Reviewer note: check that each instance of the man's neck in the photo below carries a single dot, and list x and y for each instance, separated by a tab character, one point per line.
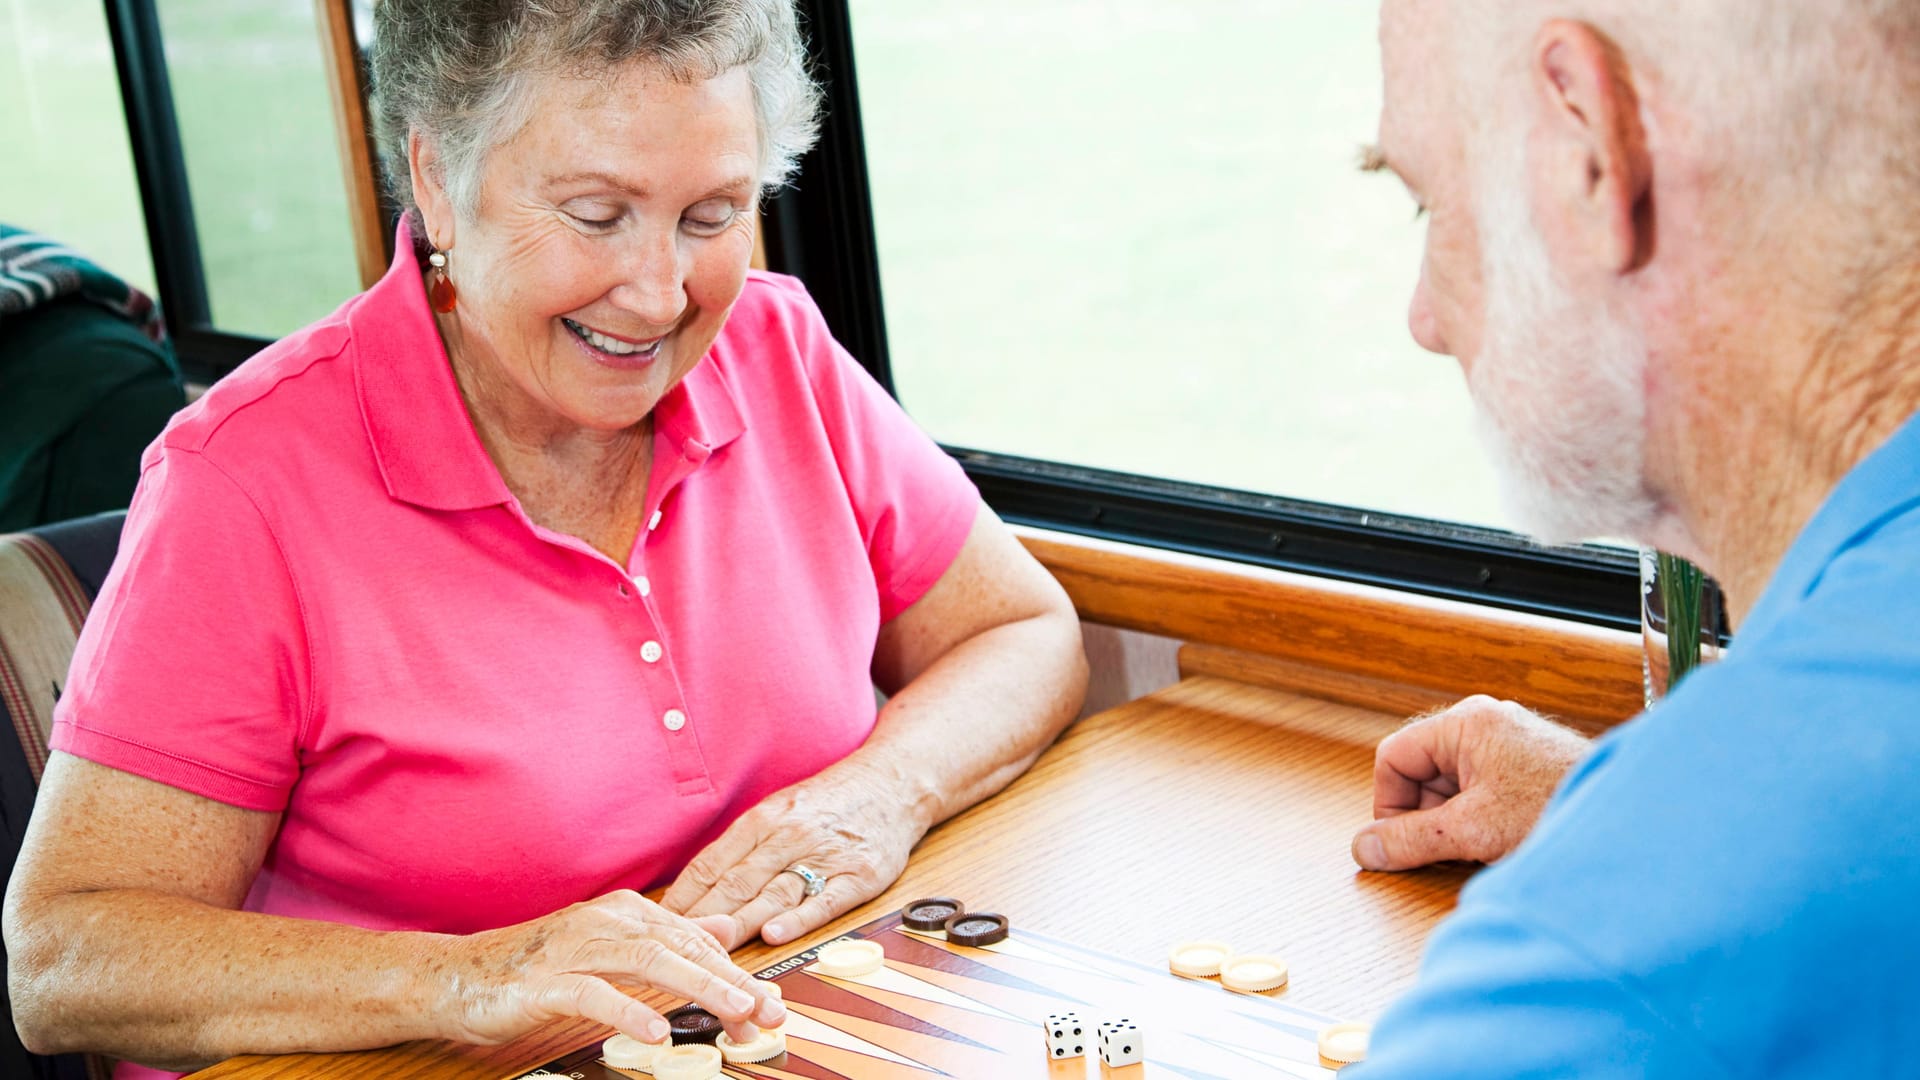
1779	436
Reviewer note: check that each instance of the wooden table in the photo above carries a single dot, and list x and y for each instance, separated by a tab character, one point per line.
1209	809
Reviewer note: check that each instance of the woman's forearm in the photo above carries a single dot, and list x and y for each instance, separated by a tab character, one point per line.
980	715
173	983
168	981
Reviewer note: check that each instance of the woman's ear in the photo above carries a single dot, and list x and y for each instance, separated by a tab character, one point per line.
429	190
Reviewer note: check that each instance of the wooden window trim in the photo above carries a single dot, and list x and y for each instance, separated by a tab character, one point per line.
1354	643
345	67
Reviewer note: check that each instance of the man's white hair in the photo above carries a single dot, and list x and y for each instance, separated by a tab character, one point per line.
1788	97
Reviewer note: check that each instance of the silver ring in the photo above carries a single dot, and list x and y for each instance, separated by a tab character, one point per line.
814	881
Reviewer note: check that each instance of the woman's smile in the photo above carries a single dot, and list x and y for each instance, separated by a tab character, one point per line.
614	350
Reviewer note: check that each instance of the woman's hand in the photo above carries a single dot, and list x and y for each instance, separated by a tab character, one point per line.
983	671
848	825
506	982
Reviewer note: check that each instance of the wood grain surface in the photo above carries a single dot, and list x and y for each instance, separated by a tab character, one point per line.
1380	695
1212	808
1585	675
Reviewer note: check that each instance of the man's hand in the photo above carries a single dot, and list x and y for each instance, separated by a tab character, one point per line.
1466	783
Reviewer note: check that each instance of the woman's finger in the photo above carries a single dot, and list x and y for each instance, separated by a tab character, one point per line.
843	892
576	994
713	861
722	989
750	877
783	893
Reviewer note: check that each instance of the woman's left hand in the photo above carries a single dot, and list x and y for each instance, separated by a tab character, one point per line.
848	825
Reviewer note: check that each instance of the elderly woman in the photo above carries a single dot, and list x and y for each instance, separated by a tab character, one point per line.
559	565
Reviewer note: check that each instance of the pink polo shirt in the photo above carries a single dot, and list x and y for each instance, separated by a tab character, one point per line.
326	603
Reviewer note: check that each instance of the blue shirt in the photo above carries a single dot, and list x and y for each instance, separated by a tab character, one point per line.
1728	886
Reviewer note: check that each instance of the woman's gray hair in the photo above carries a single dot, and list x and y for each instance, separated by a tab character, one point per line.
459	71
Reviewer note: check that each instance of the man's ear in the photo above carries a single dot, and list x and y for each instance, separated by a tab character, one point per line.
429	192
1591	167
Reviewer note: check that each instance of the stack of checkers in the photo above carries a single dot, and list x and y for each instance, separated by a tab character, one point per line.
947	918
1257	973
694	1050
1249	973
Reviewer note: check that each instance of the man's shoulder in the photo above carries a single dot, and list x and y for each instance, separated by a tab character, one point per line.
1740	859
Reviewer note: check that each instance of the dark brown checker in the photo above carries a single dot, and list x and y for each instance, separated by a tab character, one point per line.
942	1010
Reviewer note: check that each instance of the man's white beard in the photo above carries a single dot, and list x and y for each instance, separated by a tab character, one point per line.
1558	387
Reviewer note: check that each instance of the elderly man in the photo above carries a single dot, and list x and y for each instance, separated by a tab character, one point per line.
1676	249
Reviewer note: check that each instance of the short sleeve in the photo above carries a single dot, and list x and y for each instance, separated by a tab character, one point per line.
1500	997
192	667
914	503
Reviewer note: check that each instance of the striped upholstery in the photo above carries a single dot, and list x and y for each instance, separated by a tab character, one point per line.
48	578
44	605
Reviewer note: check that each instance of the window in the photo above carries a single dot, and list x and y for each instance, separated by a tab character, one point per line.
262	166
1131	277
69	173
1130	235
1117	256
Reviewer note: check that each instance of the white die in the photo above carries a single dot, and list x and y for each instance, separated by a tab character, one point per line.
1066	1036
1120	1043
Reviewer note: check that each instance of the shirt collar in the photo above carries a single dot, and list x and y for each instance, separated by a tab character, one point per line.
423	438
1882	487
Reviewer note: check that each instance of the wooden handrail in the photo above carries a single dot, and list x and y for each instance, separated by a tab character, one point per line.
1585	675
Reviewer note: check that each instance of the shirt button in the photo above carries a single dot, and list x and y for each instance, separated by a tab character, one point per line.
654	521
675	720
650	652
645	586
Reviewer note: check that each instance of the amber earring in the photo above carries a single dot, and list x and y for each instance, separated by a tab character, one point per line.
441	293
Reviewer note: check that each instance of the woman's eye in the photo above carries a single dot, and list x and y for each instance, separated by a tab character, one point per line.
710	219
594	222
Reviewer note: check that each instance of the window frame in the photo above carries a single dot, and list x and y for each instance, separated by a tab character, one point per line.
822	230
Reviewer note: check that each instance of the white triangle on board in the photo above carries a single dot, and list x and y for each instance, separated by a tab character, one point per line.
899	982
1027	950
801	1026
1286	1065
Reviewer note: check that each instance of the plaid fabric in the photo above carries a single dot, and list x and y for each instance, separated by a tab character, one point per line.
35	270
48	579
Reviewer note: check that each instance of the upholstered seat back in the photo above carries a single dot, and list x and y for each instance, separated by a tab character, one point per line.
48	579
